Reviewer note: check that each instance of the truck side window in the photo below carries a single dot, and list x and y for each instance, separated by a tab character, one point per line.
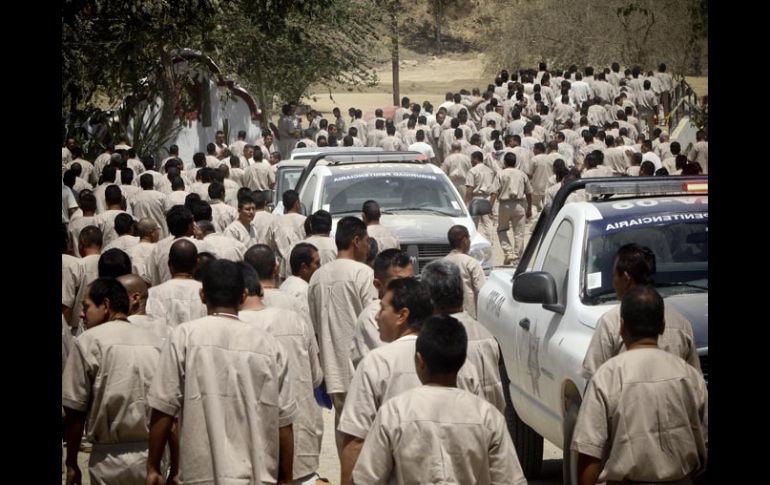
308	194
557	258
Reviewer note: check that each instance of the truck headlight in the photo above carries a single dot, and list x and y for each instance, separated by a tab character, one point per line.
482	255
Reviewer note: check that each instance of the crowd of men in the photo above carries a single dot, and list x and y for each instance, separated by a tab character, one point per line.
201	334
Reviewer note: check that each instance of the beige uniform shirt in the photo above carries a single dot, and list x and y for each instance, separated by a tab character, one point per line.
124	243
74	283
299	345
295	286
229	382
677	339
337	294
222	215
245	235
288	229
645	415
108	372
514	185
77	225
435	434
391	144
157	262
176	301
176	197
457	166
482	179
153	325
151	204
473	279
386	372
327	248
277	298
384	237
263	224
224	247
106	222
366	335
259	176
616	160
139	255
700	153
542	168
484	355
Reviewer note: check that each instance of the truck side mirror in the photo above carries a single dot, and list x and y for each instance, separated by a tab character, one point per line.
479	207
535	287
302	209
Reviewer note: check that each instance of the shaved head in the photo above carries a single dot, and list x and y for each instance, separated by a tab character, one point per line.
182	257
145	227
134	284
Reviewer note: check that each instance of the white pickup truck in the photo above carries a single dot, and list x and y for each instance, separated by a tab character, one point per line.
544	313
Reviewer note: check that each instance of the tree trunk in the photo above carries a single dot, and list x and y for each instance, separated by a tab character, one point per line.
167	91
439	13
394	53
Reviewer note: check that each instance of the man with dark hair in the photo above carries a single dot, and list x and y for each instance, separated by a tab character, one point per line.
220	245
298	341
212	159
222	215
108	179
178	299
350	281
647	169
515	195
370	213
470	268
389	264
137	290
148	233
457	165
262	258
318	227
443	280
259	176
421	146
304	261
205	357
78	277
700	151
481	182
181	224
106	220
113	263
635	265
236	147
241	229
640	403
124	228
466	442
150	203
87	203
104	385
288	229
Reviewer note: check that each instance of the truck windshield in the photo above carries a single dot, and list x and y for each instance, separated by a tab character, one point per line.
395	191
679	241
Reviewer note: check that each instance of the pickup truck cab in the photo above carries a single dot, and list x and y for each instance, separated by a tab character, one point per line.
544	313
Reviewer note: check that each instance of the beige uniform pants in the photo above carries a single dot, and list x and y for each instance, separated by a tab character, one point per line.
513	214
484	224
338	401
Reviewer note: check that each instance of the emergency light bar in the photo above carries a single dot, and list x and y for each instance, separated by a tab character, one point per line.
648	186
413	157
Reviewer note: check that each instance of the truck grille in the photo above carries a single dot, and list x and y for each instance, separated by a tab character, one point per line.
704	366
423	254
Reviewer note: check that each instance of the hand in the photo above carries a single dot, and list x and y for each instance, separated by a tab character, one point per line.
155	478
74	477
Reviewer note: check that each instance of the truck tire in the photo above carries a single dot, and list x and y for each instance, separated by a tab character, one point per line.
569	462
528	444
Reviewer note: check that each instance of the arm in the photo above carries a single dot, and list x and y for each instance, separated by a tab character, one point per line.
173	447
588	469
529	205
74	422
468	194
285	453
350	451
160	429
67	313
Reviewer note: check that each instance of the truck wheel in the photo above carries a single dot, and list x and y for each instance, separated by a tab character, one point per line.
569	462
528	444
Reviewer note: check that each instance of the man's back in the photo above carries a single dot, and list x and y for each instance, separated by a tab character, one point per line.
473	278
230	382
150	204
434	434
650	410
225	247
384	237
176	301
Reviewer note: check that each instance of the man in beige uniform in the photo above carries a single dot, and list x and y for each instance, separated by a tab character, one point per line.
470	269
180	223
288	229
418	438
137	290
149	234
124	228
228	381
222	214
318	226
149	203
388	265
241	229
338	293
370	213
635	265
514	191
78	277
178	299
219	245
106	220
299	344
700	151
481	182
87	203
104	385
262	259
542	168
644	415
442	278
304	261
259	176
456	165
